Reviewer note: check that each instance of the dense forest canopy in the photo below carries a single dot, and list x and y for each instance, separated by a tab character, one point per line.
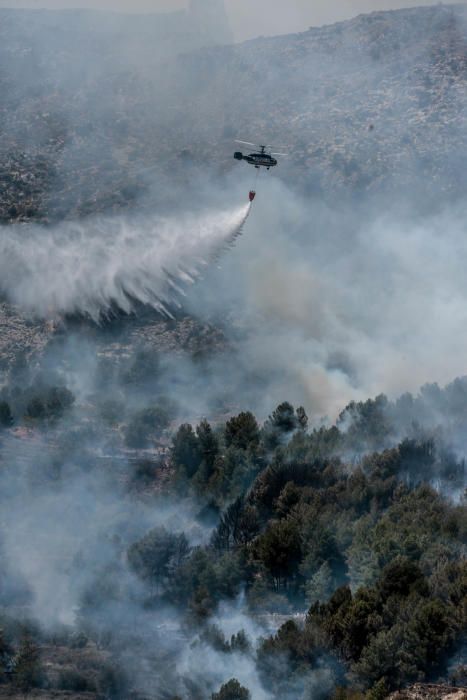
340	547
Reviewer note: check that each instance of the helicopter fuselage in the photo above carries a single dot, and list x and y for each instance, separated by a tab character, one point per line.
257	159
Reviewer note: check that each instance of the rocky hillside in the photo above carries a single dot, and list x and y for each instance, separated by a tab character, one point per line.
143	112
423	691
374	103
75	102
22	338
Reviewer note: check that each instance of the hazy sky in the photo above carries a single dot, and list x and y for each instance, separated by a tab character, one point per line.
248	17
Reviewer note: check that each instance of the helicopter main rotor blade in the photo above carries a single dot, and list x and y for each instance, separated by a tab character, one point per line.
247	143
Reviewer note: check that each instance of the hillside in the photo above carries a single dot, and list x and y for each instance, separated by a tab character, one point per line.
367	105
376	101
189	550
430	692
241	500
72	81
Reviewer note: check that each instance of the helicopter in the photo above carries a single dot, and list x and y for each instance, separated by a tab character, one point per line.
259	158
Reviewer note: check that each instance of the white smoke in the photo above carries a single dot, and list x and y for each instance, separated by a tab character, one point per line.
342	305
91	267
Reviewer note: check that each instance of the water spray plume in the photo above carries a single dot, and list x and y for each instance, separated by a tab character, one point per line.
93	267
